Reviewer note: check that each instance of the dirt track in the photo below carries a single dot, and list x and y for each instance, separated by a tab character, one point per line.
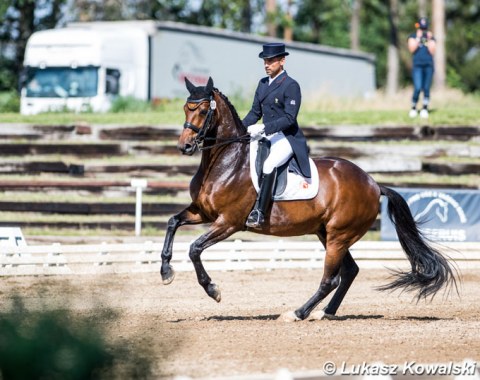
183	332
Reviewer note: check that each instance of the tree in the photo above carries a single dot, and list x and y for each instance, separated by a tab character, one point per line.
438	16
288	28
355	25
18	20
463	44
271	11
422	8
323	22
393	61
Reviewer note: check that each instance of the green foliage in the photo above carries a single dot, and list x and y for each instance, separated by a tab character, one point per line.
454	79
8	79
463	46
49	345
222	13
130	104
324	22
374	36
56	344
454	109
9	102
470	74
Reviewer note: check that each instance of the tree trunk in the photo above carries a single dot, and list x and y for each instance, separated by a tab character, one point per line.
246	23
438	21
288	30
26	27
393	60
271	11
422	8
355	25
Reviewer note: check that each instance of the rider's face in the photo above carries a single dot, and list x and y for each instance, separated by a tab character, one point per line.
273	66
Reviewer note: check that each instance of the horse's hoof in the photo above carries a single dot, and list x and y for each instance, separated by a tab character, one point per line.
289	316
321	315
214	292
168	277
317	315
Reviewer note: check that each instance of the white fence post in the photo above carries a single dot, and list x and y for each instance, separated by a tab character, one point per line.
139	185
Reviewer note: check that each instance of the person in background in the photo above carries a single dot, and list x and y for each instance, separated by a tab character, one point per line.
422	46
277	101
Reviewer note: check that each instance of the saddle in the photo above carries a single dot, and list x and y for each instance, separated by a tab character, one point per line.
263	151
290	183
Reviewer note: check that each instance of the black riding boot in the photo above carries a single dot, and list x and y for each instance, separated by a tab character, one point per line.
257	215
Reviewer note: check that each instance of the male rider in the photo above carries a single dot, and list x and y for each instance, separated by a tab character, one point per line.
277	100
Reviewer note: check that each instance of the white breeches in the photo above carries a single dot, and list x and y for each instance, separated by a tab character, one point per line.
280	152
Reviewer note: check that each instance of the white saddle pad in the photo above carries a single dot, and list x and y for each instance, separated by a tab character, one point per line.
298	187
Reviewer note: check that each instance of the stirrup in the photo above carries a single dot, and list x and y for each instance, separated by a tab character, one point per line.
255	219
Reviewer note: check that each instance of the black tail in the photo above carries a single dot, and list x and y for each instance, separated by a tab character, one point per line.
430	270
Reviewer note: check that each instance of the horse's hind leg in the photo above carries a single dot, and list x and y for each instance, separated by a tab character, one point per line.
330	280
348	272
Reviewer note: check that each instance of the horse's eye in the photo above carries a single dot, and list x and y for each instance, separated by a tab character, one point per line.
203	112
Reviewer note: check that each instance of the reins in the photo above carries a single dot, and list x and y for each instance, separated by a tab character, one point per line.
243	138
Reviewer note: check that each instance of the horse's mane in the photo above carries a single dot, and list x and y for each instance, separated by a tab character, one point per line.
236	118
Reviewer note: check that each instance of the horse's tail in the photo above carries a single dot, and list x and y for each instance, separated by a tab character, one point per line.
430	269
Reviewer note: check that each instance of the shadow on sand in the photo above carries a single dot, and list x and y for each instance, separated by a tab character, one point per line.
273	317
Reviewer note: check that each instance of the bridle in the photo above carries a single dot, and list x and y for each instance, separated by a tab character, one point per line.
202	131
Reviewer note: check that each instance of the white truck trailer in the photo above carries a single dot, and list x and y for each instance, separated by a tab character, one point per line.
84	66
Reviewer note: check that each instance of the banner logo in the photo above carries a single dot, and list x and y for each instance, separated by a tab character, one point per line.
441	215
438	207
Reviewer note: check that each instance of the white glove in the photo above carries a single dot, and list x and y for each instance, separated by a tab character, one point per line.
256	130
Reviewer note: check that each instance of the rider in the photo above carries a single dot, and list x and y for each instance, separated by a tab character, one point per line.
277	100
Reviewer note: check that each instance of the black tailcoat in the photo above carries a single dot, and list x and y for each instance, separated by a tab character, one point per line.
278	104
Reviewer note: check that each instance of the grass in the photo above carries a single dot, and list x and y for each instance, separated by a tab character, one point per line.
449	107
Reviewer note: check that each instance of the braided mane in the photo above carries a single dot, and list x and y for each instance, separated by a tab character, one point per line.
236	118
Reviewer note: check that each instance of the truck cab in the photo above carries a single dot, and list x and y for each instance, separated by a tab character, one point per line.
83	69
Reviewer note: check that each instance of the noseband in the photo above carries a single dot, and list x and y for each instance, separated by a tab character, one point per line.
201	132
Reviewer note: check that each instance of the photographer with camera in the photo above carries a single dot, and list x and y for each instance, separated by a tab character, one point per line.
422	46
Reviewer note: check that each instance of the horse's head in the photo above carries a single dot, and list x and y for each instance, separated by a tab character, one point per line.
199	116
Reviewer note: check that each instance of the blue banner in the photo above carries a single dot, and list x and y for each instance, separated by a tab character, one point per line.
441	215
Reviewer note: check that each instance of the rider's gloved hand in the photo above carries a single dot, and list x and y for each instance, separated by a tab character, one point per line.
256	130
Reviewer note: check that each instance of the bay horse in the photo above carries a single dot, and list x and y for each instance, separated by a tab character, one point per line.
343	210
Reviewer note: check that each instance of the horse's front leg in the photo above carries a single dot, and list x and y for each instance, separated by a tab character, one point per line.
190	215
218	231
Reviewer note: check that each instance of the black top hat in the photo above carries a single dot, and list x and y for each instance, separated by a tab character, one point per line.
273	50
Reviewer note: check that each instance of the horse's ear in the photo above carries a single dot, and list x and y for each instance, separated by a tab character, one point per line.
190	85
209	86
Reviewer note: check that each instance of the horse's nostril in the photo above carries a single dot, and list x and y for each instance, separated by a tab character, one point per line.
187	149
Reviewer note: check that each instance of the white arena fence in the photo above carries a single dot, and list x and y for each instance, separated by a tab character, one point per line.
57	259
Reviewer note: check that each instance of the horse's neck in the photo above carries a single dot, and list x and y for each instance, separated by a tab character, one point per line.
226	156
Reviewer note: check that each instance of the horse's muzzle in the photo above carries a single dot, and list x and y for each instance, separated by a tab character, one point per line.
187	149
